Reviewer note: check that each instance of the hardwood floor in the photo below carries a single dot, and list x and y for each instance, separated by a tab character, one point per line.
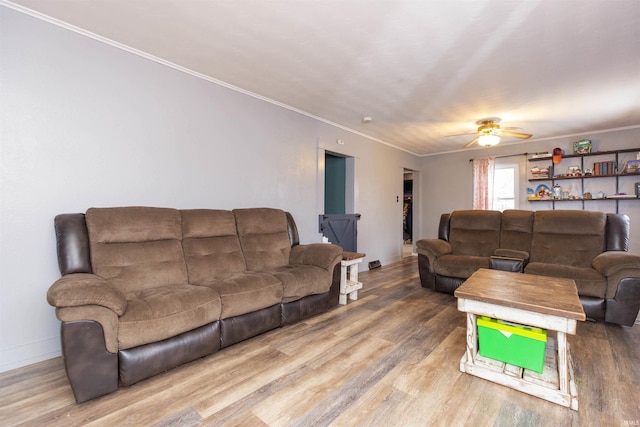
390	358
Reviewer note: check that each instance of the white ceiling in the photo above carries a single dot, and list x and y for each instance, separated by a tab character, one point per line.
422	69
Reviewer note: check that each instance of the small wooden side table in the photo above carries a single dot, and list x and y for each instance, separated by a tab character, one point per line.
349	284
539	301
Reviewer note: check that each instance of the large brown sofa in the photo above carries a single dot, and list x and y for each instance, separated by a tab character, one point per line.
589	247
146	289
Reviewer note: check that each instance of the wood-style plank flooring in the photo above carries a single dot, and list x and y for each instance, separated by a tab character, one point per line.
390	358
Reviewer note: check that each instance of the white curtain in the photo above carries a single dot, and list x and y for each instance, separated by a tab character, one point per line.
483	170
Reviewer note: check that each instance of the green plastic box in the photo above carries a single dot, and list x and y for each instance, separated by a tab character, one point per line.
512	343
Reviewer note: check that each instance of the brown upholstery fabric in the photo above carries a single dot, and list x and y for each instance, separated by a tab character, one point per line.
461	266
137	247
211	245
571	238
516	230
247	292
432	249
162	312
474	232
263	237
80	289
588	281
608	263
318	254
301	281
132	224
512	253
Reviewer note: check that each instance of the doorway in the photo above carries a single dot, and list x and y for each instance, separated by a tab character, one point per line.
407	214
339	223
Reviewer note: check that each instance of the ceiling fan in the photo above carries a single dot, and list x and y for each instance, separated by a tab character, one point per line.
489	133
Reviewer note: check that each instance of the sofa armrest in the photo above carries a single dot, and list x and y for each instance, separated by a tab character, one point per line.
512	253
515	265
79	289
432	249
321	255
612	262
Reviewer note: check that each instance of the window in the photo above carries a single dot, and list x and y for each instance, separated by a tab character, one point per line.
505	186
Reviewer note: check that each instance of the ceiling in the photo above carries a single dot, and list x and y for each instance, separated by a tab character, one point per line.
421	69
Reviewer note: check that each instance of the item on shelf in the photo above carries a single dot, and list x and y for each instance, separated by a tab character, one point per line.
588	172
543	192
557	155
587	196
565	194
598	195
557	191
631	166
574	171
604	167
541	155
540	172
582	146
622	196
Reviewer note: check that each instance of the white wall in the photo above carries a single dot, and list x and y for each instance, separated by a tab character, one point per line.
85	124
447	179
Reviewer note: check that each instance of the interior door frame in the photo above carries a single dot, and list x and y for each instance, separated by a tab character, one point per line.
416	205
350	181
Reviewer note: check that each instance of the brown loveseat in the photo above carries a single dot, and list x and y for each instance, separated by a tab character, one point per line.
589	247
146	289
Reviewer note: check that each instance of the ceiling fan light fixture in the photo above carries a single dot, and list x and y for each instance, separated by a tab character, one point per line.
488	140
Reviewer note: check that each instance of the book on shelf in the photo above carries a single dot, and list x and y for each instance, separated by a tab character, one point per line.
604	167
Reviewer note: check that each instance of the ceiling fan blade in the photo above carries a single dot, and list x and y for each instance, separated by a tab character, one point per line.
462	134
516	134
472	142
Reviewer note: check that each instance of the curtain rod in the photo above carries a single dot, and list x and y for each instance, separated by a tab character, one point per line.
506	155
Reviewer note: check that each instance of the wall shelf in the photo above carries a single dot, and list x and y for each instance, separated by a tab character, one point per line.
611	156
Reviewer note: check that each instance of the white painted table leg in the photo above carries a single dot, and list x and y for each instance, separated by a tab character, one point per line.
563	369
472	342
353	277
343	284
472	339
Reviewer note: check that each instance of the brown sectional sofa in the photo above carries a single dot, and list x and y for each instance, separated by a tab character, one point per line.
589	247
146	289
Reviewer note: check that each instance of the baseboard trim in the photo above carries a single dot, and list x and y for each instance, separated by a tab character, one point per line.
27	354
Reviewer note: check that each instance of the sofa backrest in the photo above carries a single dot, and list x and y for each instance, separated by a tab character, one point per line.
474	232
568	237
264	237
137	247
211	246
516	229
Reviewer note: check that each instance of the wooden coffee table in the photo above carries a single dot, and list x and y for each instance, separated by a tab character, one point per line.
539	301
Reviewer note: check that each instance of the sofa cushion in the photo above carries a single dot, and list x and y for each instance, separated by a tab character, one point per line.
246	292
264	238
301	281
516	230
588	281
567	237
137	248
162	312
474	232
461	266
211	245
